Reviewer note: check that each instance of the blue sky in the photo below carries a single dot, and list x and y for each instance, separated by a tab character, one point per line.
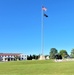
20	26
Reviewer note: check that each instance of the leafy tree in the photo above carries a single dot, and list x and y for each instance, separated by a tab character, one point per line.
72	53
53	52
34	56
58	56
63	53
37	57
29	57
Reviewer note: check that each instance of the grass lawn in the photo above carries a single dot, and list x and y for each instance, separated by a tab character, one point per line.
43	67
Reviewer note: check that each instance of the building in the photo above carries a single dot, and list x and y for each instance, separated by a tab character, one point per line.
12	56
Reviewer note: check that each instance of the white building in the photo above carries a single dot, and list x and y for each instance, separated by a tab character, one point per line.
12	56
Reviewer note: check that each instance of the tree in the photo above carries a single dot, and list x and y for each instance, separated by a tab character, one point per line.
58	56
29	57
72	53
34	56
53	52
63	53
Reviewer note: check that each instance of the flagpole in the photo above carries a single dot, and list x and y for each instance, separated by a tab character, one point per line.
42	32
42	35
42	57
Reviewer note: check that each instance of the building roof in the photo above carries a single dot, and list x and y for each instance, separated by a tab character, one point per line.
10	54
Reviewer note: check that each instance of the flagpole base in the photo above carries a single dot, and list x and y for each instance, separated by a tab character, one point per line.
42	57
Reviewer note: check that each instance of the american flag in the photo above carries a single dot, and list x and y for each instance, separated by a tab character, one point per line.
43	8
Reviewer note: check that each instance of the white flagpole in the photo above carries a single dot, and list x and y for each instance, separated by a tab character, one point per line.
42	35
42	32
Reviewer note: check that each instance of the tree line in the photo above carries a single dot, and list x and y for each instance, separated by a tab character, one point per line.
32	57
62	53
54	54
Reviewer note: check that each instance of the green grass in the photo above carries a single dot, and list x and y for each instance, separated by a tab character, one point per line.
45	67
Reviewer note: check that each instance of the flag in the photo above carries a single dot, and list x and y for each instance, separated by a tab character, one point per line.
45	15
43	8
